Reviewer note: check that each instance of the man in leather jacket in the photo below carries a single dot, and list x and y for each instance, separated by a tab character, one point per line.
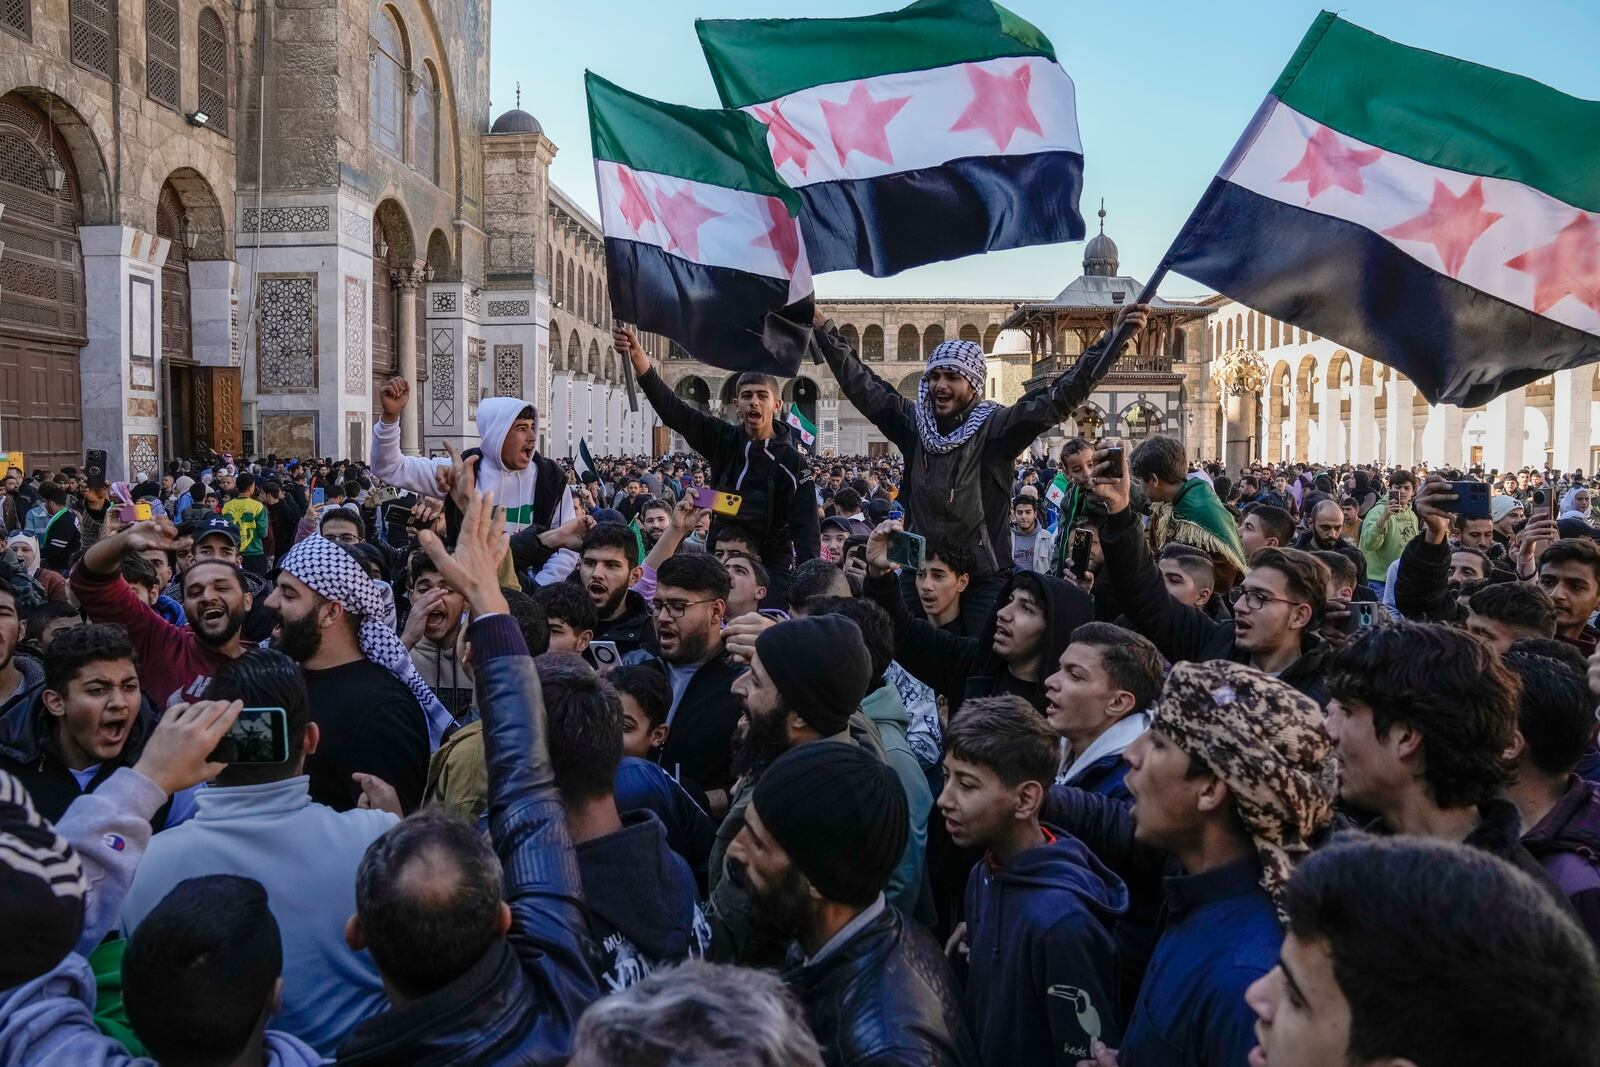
484	956
824	830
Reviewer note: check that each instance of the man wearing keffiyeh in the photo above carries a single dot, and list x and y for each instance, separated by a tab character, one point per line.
960	449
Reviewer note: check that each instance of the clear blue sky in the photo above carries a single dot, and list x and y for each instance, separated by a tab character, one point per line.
1164	88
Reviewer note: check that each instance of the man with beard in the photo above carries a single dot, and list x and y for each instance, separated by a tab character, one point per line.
608	566
175	662
367	699
654	517
787	702
1325	533
825	827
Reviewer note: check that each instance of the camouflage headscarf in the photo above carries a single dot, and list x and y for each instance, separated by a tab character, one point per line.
1268	743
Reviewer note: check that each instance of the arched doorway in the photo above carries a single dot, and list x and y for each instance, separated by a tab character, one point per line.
394	251
1089	421
908	385
42	322
694	390
1143	419
804	394
177	349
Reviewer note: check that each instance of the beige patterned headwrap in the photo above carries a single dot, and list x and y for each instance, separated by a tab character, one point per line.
1268	743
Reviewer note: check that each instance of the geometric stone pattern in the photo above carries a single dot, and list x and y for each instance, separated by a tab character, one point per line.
442	374
284	220
505	308
355	224
475	356
355	335
443	303
507	368
287	360
143	454
474	304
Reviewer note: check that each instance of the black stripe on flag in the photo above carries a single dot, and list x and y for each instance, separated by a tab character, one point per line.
888	224
716	313
1456	343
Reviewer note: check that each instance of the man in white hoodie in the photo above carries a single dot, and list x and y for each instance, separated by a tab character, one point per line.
530	488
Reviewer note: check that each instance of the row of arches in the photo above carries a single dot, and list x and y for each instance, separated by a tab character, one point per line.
1256	332
406	116
575	288
912	345
575	358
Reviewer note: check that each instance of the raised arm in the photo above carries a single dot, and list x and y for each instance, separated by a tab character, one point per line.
105	597
875	398
699	430
1042	409
565	560
527	824
941	660
415	473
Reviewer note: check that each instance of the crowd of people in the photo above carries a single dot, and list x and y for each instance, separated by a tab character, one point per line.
1120	758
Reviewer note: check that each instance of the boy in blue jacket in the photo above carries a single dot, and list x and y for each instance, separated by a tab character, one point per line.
1042	985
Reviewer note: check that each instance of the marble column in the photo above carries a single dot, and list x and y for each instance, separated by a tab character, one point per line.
1572	426
1363	424
405	339
1239	426
1504	442
1402	422
1331	424
1441	436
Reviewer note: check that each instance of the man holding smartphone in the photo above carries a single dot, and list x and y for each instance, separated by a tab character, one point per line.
755	458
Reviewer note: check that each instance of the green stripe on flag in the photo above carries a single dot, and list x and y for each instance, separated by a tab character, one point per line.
756	60
1444	111
717	147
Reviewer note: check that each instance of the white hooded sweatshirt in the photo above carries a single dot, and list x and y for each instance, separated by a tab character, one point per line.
513	490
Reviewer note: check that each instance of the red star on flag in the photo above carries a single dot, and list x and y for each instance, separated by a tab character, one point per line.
788	143
1451	224
683	216
782	236
1567	266
860	123
635	205
999	105
1329	162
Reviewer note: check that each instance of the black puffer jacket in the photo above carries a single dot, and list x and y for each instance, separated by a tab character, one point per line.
521	1001
885	996
964	495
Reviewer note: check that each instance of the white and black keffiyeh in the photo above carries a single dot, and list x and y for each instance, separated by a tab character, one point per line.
331	572
966	359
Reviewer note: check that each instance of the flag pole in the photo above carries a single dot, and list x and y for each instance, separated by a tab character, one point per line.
1119	332
627	380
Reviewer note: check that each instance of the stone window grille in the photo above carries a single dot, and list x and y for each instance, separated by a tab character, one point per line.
16	16
387	88
213	71
161	52
92	22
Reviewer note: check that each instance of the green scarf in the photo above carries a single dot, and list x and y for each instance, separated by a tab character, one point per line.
1196	517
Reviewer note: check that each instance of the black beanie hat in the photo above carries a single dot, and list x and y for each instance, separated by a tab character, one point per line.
820	666
41	889
841	815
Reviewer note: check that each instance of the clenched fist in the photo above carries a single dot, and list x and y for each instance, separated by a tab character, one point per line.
393	397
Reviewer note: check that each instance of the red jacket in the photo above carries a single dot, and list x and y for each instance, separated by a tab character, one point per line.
174	664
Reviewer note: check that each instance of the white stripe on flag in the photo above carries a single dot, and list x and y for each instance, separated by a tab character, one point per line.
1397	193
706	224
1017	105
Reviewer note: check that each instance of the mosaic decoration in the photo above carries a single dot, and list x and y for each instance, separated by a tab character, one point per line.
507	370
443	303
474	304
285	220
442	375
475	356
286	358
235	356
355	225
143	454
500	309
355	335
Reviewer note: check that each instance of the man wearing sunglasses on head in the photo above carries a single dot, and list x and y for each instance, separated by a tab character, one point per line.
1276	616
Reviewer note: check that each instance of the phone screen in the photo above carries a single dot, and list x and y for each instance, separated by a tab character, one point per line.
258	735
319	496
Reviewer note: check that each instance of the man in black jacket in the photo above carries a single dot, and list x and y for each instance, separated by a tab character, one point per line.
960	450
755	458
825	828
1275	618
482	967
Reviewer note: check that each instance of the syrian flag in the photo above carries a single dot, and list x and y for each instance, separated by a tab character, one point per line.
1057	490
701	240
938	131
1436	215
585	462
802	426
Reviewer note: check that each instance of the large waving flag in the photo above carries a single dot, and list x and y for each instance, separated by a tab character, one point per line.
1434	214
701	240
938	131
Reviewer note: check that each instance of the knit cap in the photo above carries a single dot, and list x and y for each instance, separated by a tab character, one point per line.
41	889
840	814
1501	506
1268	743
820	666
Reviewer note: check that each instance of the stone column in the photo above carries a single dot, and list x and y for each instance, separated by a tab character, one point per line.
1402	422
405	340
120	366
1363	424
1571	427
1331	425
1237	428
1441	437
1504	419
